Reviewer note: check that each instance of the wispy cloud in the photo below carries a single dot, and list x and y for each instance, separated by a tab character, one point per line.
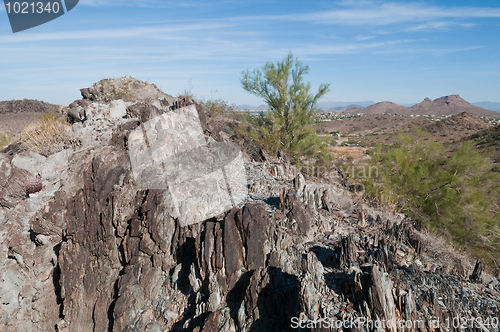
166	31
365	13
146	3
440	26
391	13
373	13
438	52
348	48
363	38
211	47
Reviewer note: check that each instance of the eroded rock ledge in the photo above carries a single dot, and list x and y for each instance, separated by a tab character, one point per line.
91	252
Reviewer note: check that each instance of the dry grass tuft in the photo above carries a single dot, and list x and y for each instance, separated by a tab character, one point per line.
438	249
5	140
48	136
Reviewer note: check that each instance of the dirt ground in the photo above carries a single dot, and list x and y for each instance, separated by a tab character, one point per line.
350	155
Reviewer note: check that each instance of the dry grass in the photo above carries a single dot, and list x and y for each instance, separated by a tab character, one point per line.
441	251
48	136
5	140
344	152
220	107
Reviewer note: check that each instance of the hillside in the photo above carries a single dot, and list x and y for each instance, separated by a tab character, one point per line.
385	107
457	126
373	128
26	106
489	139
384	128
448	105
17	114
221	237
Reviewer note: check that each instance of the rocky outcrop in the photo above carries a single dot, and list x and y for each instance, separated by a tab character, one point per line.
92	251
450	105
125	88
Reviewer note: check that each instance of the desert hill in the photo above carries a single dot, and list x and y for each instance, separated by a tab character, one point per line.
489	138
450	105
384	128
464	124
26	105
86	246
447	105
385	107
17	114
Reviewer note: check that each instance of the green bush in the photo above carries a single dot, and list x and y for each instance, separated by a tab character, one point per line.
287	123
452	193
220	107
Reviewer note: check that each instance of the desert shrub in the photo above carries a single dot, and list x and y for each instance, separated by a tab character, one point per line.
220	107
49	135
292	107
452	193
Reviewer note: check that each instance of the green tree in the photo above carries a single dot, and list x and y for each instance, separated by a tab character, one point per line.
291	107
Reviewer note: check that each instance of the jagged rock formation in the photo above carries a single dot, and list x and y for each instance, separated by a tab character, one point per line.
92	252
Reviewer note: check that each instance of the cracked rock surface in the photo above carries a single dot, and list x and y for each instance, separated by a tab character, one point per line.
92	252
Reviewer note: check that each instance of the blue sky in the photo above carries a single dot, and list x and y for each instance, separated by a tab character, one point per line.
399	51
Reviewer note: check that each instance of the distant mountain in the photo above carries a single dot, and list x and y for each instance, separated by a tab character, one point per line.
251	107
385	107
489	105
448	105
343	108
342	105
325	106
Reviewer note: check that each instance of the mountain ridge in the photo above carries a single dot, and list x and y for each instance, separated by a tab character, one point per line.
356	106
446	105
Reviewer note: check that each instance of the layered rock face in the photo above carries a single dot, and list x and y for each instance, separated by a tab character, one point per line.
92	251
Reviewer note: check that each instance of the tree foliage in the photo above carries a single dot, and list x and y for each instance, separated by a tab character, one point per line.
453	192
291	107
